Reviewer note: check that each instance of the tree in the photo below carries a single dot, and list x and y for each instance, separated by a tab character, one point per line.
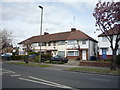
28	47
107	15
6	38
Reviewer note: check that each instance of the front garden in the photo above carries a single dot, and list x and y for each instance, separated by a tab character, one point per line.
35	57
100	63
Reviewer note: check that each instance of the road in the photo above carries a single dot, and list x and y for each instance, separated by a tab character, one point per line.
17	76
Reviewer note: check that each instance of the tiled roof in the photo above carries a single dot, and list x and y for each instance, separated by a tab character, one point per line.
71	35
112	31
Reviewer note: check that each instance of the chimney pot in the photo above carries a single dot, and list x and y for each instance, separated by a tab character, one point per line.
46	33
73	29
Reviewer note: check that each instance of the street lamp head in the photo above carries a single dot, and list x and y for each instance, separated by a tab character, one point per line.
40	7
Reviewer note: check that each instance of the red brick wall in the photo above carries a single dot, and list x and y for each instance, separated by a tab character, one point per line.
99	64
108	56
72	57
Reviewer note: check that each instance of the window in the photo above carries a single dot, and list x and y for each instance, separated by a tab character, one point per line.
44	44
49	43
76	53
61	43
83	42
39	44
61	53
104	39
54	43
73	53
70	53
72	42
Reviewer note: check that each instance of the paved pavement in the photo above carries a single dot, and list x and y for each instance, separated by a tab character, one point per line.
70	64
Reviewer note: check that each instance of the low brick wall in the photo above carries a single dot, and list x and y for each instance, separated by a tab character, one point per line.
91	63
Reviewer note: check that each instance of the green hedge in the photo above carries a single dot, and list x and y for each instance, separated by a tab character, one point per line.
30	53
18	57
47	55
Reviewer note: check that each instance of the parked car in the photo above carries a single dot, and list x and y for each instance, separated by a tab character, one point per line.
6	56
32	56
59	58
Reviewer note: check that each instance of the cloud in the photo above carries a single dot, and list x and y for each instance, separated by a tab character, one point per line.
24	18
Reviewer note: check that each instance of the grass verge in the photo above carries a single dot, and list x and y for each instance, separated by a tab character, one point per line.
95	70
30	64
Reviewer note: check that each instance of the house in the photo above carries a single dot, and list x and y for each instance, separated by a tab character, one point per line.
73	44
104	45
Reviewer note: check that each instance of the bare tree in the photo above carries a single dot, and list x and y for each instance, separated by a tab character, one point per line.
107	15
28	46
6	38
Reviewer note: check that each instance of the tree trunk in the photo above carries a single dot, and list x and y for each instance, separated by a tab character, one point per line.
113	62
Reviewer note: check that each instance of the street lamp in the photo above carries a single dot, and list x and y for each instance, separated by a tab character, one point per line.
40	31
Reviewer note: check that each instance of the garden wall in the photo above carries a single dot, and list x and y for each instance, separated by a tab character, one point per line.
92	63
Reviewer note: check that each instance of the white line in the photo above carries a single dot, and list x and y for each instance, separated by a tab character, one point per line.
15	75
63	86
43	83
7	71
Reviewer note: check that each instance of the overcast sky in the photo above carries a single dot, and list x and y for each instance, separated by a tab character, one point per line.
22	17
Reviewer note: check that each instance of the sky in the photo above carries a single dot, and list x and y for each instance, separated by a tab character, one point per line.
22	17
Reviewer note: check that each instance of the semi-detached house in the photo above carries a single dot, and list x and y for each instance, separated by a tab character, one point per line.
104	45
73	44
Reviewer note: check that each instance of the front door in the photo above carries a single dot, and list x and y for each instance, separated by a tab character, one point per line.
83	54
104	53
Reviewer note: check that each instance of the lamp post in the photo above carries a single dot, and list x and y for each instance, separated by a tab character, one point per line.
40	31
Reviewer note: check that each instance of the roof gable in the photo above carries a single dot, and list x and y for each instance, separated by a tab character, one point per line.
113	31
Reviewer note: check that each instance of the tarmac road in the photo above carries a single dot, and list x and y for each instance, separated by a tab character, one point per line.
18	76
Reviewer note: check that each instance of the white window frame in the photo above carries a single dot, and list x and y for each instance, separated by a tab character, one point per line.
104	39
84	42
75	53
61	43
72	42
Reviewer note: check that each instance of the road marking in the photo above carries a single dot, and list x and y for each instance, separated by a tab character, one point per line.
15	75
55	85
7	71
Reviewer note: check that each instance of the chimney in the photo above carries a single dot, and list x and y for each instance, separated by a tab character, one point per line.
46	33
73	29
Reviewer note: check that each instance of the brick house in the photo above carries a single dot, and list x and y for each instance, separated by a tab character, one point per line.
73	44
104	45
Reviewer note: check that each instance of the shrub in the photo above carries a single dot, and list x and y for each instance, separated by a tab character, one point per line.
18	57
57	62
47	55
107	60
36	59
30	53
